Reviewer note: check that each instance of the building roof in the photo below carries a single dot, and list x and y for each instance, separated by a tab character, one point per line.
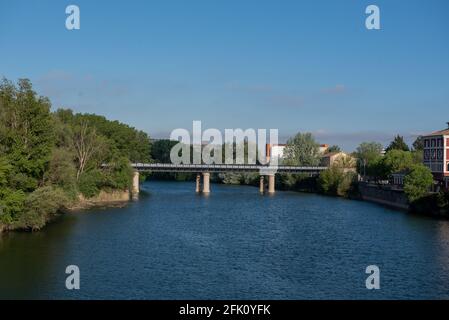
444	132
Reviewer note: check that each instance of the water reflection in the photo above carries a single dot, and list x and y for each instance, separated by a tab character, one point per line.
232	244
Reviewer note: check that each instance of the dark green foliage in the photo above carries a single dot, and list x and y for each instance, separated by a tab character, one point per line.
398	144
27	135
436	203
336	181
61	169
160	150
39	207
418	145
11	204
90	183
395	161
418	182
47	159
118	175
288	180
127	141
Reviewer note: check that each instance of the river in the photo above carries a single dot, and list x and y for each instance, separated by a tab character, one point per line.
232	244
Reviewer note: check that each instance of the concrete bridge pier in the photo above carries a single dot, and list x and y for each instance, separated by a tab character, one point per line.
271	183
198	182
135	187
206	182
261	184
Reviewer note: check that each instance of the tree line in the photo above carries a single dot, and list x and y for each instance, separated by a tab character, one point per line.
48	160
369	161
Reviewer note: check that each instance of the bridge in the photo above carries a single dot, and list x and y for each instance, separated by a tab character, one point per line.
206	169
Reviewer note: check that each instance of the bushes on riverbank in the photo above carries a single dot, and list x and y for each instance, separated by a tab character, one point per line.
337	182
417	182
432	204
48	159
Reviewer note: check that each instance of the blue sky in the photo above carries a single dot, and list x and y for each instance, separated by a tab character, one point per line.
292	65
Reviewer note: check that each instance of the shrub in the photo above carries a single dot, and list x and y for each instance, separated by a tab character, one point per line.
90	183
39	207
335	181
118	175
11	204
417	182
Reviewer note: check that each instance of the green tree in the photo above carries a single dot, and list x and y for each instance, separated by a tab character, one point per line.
302	150
396	160
335	181
160	150
417	182
118	175
39	207
5	168
27	135
47	159
398	144
334	148
62	171
368	155
418	144
11	204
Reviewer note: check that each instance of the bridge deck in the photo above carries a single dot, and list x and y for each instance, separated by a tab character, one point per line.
168	167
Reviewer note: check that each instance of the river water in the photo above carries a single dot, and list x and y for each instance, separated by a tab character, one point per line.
232	244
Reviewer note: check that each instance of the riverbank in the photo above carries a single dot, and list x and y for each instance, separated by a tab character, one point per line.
105	199
435	205
385	195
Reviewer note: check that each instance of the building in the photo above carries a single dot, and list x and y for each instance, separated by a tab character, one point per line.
275	150
323	148
436	154
341	158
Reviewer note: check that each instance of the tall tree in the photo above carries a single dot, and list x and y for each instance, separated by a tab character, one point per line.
160	150
418	144
367	154
396	160
27	136
398	144
302	150
87	144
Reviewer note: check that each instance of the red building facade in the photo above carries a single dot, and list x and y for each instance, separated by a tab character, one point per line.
436	154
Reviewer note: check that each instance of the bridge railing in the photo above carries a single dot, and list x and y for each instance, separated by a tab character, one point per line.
169	167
